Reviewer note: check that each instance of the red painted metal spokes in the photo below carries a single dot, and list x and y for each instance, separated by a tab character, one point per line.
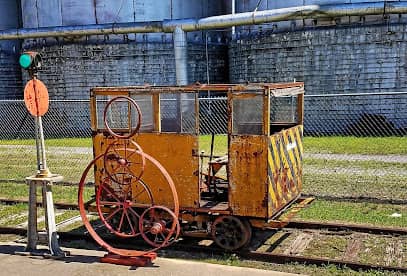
123	201
118	210
124	162
159	226
116	196
131	104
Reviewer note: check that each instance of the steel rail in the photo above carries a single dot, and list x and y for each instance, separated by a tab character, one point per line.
58	205
249	255
298	224
358	199
282	259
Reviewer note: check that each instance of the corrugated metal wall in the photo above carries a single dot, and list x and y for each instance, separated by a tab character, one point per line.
73	66
10	74
346	55
250	5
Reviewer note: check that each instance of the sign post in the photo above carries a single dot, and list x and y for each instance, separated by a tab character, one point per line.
37	102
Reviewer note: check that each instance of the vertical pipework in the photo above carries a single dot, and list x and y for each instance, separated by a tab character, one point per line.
233	12
181	56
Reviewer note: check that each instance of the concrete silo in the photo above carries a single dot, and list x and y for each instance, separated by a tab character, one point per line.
74	65
360	54
10	73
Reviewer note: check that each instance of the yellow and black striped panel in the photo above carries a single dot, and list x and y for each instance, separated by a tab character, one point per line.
285	152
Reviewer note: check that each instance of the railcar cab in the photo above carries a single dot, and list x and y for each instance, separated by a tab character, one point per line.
239	154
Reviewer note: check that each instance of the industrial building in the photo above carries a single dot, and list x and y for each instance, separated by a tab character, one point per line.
355	48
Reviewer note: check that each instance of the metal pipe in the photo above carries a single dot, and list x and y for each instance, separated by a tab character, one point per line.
181	56
214	22
233	12
95	29
293	13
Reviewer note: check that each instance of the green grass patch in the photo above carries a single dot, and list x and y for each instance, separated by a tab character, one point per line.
20	163
335	144
63	142
357	164
329	270
374	250
356	145
61	217
220	144
65	194
331	247
337	184
362	213
7	211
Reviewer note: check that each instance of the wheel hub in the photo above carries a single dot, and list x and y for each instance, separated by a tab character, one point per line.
122	162
157	228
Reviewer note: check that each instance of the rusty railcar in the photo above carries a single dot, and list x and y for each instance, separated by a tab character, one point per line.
262	165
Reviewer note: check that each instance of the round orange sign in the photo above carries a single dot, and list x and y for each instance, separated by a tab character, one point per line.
36	97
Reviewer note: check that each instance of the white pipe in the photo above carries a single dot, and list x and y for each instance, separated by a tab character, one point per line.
181	56
233	12
214	22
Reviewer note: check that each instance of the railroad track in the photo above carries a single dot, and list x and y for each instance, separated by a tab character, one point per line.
358	199
191	245
269	254
259	252
352	199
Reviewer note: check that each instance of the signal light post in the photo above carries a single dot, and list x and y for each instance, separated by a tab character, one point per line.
37	102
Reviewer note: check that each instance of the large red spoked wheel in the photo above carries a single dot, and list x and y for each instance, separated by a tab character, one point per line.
124	162
111	198
118	206
129	104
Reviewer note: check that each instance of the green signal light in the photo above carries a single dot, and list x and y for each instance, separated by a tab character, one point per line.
25	61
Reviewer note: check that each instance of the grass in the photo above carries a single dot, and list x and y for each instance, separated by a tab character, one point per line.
350	184
20	163
10	214
356	145
354	164
331	247
334	144
349	212
329	270
65	142
61	217
375	249
220	144
66	194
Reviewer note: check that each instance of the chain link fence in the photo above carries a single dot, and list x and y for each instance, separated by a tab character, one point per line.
355	144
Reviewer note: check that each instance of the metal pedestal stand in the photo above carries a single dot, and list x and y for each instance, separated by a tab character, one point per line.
51	233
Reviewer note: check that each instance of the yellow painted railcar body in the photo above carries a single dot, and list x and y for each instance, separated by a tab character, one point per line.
285	153
264	161
174	152
248	175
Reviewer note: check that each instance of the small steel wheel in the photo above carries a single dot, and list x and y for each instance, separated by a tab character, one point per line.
231	233
159	226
